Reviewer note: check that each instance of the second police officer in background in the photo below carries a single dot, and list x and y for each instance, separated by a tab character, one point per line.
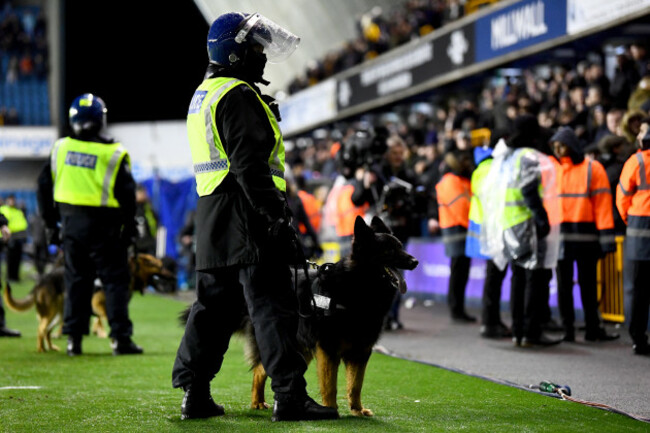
88	186
520	226
245	242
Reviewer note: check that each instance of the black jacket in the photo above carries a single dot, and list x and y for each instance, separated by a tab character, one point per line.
124	194
232	223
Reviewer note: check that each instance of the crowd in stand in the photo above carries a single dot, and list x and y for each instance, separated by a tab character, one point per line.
379	31
603	113
24	50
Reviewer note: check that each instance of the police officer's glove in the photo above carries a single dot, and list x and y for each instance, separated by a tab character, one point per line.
542	227
53	236
284	240
129	234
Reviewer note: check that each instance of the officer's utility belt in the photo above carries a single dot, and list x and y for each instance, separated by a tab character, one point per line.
324	303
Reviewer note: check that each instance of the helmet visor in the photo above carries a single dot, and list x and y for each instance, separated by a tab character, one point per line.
278	42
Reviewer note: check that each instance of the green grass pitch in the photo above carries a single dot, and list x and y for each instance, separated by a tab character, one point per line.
98	392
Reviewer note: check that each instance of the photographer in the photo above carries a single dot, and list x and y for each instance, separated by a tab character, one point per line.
388	186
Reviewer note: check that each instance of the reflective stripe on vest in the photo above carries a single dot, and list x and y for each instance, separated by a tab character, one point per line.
211	164
84	172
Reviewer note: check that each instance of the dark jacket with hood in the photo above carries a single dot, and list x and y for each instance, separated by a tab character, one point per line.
232	223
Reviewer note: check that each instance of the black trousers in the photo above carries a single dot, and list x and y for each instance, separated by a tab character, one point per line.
640	271
458	277
14	258
93	248
527	289
2	309
587	279
265	292
491	313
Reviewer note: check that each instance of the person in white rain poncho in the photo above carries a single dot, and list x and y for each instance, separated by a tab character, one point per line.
521	225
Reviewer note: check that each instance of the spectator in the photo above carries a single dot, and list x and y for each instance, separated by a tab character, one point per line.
639	53
626	76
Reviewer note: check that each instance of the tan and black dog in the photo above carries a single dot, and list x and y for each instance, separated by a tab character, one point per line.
48	296
352	298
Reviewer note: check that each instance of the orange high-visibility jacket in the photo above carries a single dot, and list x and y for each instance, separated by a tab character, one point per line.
453	193
312	209
633	203
587	221
347	212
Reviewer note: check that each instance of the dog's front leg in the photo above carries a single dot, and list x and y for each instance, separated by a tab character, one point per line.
355	370
328	366
257	393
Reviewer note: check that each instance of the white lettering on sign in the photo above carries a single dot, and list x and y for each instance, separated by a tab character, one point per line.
518	25
398	82
404	62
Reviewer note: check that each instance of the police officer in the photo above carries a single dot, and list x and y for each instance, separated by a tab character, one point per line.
5	234
18	227
88	183
517	227
244	237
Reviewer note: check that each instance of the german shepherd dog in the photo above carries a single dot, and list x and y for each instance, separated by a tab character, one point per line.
48	296
351	298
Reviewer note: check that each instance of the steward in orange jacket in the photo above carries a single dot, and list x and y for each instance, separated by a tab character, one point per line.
453	193
586	231
633	203
312	208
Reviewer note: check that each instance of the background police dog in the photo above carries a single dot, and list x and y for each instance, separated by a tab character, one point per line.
48	297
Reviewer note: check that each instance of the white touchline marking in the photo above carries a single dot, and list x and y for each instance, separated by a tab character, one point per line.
2	388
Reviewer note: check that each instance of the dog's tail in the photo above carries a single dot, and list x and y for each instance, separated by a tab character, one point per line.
17	304
184	315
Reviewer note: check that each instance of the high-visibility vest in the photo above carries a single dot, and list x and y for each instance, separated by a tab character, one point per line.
453	193
15	217
472	243
633	203
211	164
515	211
312	209
84	172
585	205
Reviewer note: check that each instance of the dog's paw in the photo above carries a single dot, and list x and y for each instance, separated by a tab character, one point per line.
55	348
261	405
362	412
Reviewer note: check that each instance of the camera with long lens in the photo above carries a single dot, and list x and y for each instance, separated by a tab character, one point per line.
365	148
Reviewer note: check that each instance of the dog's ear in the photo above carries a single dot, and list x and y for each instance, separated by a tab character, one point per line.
378	226
361	229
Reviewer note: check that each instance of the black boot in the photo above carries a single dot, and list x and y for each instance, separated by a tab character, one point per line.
198	403
599	334
301	409
125	346
6	332
74	345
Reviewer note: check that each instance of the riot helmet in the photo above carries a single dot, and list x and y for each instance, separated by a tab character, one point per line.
87	115
232	35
